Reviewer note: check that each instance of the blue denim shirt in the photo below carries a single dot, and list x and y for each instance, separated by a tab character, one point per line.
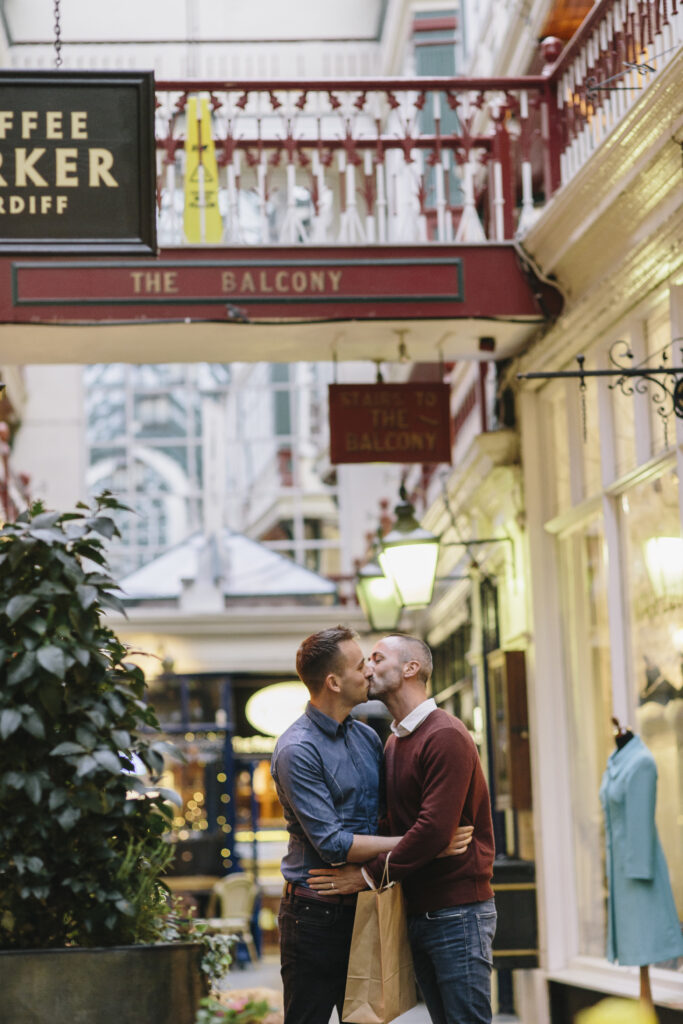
327	778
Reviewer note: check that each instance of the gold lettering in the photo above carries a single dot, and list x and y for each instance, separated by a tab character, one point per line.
2	180
65	167
153	282
6	122
137	281
228	282
352	442
390	418
317	280
263	282
62	203
170	282
282	281
79	124
247	283
335	278
101	162
16	204
299	281
45	203
53	125
24	167
2	204
29	120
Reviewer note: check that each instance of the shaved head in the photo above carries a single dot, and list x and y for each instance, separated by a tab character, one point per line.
411	648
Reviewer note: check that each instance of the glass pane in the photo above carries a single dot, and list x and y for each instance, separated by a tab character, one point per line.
583	570
554	415
652	528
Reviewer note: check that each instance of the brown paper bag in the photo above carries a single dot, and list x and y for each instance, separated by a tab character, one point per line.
380	984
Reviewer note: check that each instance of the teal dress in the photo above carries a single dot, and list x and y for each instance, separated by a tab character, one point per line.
643	925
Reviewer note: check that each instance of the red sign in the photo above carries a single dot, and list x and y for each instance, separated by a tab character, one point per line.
370	283
390	423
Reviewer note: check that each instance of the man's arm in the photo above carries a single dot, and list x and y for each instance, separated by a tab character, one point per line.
448	759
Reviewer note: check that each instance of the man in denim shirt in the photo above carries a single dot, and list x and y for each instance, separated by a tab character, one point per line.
326	768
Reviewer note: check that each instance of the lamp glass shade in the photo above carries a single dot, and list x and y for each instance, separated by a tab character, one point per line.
412	567
378	598
409	555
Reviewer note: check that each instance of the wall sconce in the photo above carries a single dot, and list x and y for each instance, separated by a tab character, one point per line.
377	597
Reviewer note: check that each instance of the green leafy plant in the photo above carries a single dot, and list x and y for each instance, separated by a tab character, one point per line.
81	841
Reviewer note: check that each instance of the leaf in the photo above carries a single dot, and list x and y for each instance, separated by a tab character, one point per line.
36	624
108	600
35	865
63	749
87	737
121	738
85	765
49	536
170	795
45	520
33	788
103	525
109	760
86	595
52	660
15	780
34	725
67	819
57	798
19	605
81	655
10	720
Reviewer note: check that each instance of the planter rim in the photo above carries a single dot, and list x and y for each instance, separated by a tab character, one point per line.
143	946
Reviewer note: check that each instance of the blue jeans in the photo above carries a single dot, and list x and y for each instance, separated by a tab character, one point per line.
453	961
315	939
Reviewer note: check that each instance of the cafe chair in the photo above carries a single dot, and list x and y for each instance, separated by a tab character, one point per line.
230	909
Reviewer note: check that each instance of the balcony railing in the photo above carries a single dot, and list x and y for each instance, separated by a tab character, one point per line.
399	161
619	50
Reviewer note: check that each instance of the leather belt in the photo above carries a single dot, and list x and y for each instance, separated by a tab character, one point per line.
291	889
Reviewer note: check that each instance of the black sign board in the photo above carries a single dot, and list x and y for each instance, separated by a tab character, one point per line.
77	164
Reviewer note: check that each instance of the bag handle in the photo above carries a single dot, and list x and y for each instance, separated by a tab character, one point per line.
385	874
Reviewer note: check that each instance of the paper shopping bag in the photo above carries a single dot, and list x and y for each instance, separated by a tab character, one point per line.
380	984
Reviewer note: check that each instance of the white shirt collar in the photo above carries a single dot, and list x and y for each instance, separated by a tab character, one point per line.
414	718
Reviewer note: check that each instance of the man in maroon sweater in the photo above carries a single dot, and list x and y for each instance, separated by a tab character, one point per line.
434	782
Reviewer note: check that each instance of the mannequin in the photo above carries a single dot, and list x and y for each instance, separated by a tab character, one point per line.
643	925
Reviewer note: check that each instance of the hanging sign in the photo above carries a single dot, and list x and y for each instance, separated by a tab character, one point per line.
77	169
390	423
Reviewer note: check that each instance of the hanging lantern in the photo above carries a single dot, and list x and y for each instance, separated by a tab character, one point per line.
409	556
378	598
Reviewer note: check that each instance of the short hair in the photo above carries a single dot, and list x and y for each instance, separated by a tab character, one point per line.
319	654
412	648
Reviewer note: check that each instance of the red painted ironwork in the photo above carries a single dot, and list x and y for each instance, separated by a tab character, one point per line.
413	161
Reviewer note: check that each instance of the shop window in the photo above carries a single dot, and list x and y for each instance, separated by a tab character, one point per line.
583	571
654	563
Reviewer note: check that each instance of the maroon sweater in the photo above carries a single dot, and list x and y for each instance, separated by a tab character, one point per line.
434	783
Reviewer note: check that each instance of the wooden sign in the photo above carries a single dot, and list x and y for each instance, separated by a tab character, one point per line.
77	168
389	423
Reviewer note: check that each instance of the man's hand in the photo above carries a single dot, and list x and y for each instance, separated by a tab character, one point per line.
336	881
462	837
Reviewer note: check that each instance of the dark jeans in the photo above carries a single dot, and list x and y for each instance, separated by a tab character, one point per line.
315	939
453	961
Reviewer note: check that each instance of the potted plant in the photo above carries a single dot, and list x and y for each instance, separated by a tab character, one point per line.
84	917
